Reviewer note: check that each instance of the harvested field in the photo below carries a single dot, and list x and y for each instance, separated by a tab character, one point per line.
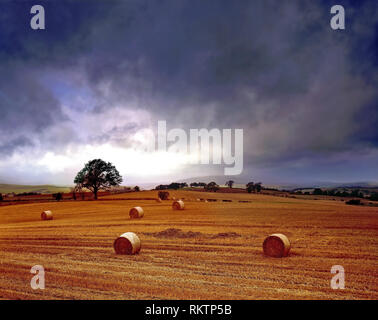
210	250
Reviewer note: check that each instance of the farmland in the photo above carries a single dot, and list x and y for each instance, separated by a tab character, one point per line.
210	250
8	188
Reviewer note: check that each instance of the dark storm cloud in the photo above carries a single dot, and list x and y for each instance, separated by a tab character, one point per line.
274	68
8	146
26	108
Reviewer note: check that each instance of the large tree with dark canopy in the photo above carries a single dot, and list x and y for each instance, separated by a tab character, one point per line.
98	175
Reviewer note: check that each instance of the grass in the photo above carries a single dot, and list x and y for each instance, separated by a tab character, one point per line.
9	188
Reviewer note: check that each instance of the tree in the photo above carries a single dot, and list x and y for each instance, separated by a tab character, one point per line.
250	187
136	189
374	196
161	187
173	185
253	187
317	191
1	197
258	187
58	196
98	175
230	183
212	186
356	193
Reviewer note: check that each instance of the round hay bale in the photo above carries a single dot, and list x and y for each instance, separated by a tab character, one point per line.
178	205
136	213
127	243
46	215
276	245
173	198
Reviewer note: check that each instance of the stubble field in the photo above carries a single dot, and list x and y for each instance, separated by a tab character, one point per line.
209	250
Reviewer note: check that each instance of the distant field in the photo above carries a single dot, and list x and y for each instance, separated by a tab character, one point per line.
216	254
9	188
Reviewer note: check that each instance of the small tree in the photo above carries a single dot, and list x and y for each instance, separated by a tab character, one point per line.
58	196
253	187
1	197
250	187
98	175
136	188
212	186
230	183
258	187
374	196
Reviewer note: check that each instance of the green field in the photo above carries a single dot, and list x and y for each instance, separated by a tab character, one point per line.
9	188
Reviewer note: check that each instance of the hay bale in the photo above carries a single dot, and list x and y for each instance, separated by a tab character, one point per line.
178	205
127	243
46	215
159	200
276	245
136	213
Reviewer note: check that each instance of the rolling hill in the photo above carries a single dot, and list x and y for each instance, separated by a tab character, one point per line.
16	188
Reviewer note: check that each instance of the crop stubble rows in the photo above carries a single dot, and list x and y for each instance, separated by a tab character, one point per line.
216	254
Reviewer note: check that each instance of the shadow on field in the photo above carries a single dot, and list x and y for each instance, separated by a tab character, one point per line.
178	233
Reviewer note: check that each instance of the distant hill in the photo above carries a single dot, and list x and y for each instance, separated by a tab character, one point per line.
16	188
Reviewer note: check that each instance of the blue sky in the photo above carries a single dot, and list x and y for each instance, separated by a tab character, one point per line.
104	71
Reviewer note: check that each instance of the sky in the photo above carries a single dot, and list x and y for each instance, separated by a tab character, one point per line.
101	75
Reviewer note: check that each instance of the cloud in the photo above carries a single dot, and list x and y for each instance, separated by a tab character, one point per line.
27	108
276	70
102	71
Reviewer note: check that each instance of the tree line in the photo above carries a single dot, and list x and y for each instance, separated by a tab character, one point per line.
356	193
211	186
